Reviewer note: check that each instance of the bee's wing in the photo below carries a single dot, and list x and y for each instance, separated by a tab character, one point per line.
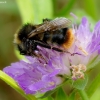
52	25
59	23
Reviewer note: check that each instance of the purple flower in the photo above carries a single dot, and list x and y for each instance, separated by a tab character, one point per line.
39	74
49	71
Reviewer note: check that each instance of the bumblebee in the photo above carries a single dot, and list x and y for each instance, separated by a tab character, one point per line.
52	34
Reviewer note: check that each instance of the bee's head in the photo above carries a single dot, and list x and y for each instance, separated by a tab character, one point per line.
26	47
21	39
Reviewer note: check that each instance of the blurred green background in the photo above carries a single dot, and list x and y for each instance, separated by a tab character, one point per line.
11	19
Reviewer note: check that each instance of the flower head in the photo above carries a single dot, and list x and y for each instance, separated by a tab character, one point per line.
44	73
39	74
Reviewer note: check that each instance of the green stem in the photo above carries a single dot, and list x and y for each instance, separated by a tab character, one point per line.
14	85
35	10
67	8
26	10
91	8
94	85
83	95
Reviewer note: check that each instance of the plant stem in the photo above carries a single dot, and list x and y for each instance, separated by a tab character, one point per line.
83	95
91	8
67	8
94	85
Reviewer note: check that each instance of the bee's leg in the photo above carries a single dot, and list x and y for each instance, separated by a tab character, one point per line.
47	46
42	44
53	48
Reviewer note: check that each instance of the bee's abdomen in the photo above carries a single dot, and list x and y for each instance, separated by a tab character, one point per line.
47	37
69	39
59	36
63	37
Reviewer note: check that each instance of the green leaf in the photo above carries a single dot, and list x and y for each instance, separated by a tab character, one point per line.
48	93
35	10
94	85
26	10
61	95
80	83
72	95
96	95
15	86
50	98
93	63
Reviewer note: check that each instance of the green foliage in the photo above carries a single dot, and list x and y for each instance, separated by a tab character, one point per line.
26	11
67	8
93	63
47	94
83	95
61	95
50	98
35	10
91	8
80	83
95	84
72	95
